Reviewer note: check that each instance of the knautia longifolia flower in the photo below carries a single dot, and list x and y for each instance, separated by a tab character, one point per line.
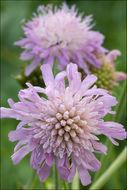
107	75
63	126
62	34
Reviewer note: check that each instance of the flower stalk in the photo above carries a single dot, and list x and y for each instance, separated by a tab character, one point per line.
75	183
110	171
32	181
55	177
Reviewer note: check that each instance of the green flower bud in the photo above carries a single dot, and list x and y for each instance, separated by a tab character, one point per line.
35	78
105	74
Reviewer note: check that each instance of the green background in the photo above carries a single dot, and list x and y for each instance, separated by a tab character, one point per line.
110	17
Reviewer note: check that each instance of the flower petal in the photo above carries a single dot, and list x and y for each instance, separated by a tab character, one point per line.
60	82
20	154
84	175
32	66
113	55
49	159
72	173
120	76
26	56
44	172
20	134
113	130
100	147
98	91
74	77
47	74
37	157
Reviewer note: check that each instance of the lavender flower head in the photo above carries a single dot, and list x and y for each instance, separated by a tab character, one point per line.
64	126
62	34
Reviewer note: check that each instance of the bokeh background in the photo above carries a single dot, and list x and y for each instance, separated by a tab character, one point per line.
110	17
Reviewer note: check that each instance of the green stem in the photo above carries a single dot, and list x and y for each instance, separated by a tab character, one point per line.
32	182
56	179
115	179
69	186
110	171
75	183
108	143
121	100
65	185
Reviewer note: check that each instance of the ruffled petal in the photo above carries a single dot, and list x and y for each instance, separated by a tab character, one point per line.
49	159
120	76
49	60
98	91
20	154
113	130
84	175
81	62
20	134
44	172
100	147
62	61
61	161
64	172
47	74
60	82
63	169
105	103
87	83
92	59
108	100
113	55
7	113
22	42
26	56
37	157
89	161
72	173
74	77
32	66
44	54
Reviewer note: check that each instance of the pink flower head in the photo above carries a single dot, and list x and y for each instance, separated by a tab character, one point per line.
61	34
64	126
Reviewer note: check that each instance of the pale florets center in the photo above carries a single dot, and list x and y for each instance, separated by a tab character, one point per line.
66	131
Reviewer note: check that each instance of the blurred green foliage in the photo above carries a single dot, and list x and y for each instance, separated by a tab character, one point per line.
110	17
